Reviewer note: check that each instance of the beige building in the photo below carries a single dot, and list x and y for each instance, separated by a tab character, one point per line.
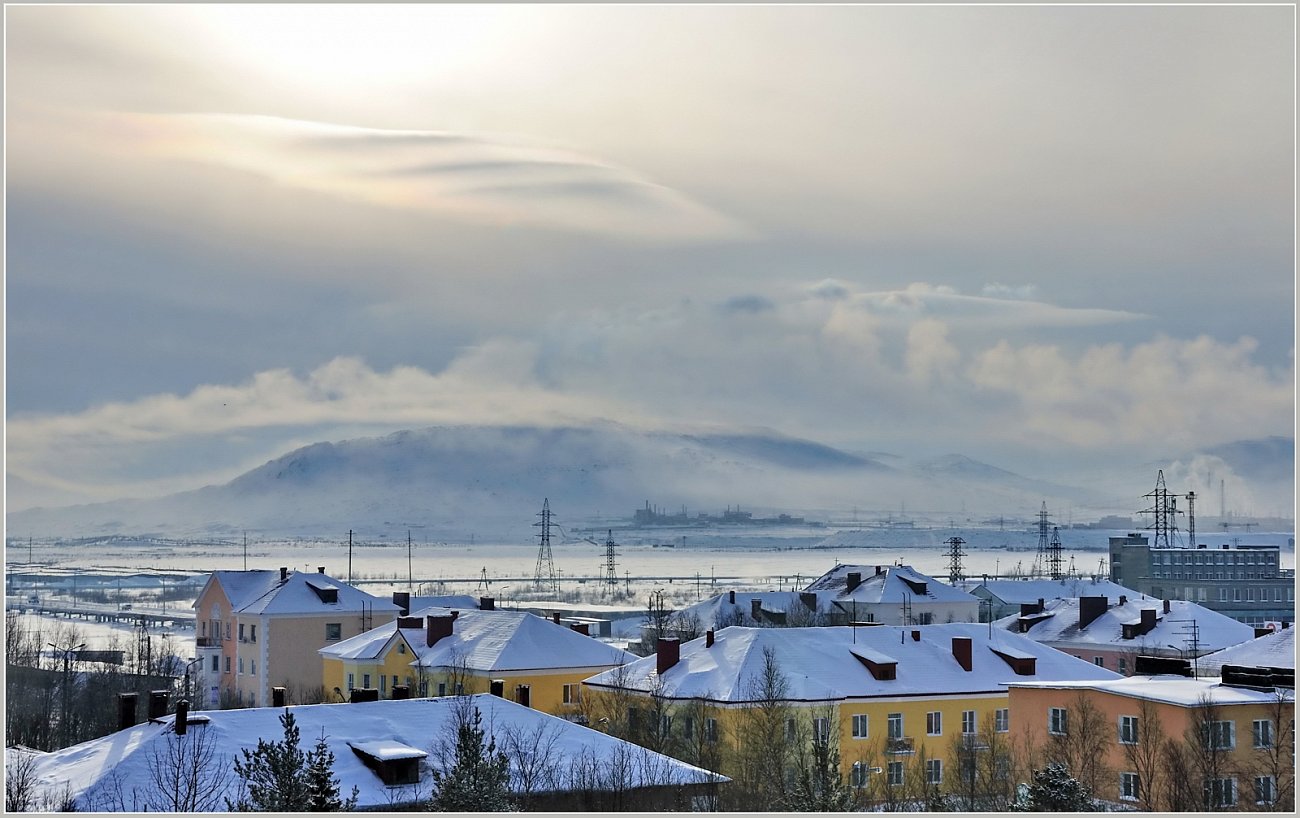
257	630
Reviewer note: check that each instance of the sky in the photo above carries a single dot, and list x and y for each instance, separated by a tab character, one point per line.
1053	238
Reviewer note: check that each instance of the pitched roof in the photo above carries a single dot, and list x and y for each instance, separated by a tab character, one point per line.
489	641
401	728
823	664
1029	591
1179	690
1274	650
302	593
887	583
1061	625
709	611
461	601
241	586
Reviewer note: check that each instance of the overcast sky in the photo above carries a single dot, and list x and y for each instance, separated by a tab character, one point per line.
1046	237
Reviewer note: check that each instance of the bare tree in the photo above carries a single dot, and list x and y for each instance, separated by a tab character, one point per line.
1210	745
1274	754
20	781
766	733
1145	754
1084	744
533	759
186	773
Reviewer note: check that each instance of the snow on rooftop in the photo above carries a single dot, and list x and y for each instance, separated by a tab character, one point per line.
1214	630
720	607
1170	689
92	769
819	663
295	595
893	583
1029	591
387	750
1274	650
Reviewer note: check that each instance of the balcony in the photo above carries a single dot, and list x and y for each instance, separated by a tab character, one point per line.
207	642
899	746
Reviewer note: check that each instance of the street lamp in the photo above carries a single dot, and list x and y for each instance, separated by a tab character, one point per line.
67	692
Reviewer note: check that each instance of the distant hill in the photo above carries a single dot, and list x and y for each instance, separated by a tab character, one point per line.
1269	458
453	480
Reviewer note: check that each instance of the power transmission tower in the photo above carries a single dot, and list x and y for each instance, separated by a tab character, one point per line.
955	554
1054	554
1042	541
611	569
1164	508
1191	519
544	578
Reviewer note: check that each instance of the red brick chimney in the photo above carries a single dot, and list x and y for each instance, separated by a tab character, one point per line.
438	627
667	652
1166	606
708	638
961	651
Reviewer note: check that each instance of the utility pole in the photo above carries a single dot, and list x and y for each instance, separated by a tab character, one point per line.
349	556
410	576
67	689
245	550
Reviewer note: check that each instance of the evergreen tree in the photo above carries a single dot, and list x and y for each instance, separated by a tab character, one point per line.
274	775
479	778
818	786
322	786
1053	790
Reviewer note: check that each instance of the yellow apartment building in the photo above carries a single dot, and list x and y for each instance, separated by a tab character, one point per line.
438	652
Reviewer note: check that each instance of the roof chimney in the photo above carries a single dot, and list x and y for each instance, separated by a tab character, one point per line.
408	622
1166	606
877	570
1123	600
667	652
961	651
320	569
402	599
455	614
126	709
555	617
1091	607
708	638
437	627
756	608
731	597
854	580
182	721
487	603
284	574
157	704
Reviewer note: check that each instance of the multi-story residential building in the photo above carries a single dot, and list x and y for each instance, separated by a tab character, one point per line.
258	630
1169	743
1274	651
1113	636
1003	597
439	652
894	595
1245	582
881	693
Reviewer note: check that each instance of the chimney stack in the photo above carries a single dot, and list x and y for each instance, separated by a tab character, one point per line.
279	697
667	652
1091	607
487	603
157	704
555	617
1166	606
402	599
708	638
182	721
961	651
126	709
437	627
320	569
731	597
455	615
877	570
284	574
854	580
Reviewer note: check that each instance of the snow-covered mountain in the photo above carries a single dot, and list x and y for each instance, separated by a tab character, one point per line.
491	479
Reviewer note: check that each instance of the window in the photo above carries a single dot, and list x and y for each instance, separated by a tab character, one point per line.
933	771
394	680
688	728
424	688
858	777
791	728
1265	789
252	633
1129	787
934	723
968	722
895	776
227	630
1122	665
460	688
253	667
860	725
1262	730
1236	594
351	681
571	695
241	632
925	618
333	631
227	664
442	688
1219	735
1128	729
665	725
241	666
821	730
1220	792
1057	723
1002	720
895	726
383	683
365	680
216	663
401	648
711	730
1099	661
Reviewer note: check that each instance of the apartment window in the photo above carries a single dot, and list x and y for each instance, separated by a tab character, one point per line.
365	680
351	681
688	728
665	725
1219	735
1250	593
227	630
442	688
1262	730
252	667
968	722
1128	729
571	693
711	730
933	771
383	683
216	663
1130	788
241	666
252	633
1265	789
1122	665
241	632
1057	722
895	726
895	774
1099	661
860	725
1220	792
934	723
227	664
1236	594
821	730
858	777
401	648
791	729
333	631
1002	720
1223	592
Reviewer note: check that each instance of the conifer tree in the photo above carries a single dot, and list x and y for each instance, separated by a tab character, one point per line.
1053	790
274	774
322	785
479	778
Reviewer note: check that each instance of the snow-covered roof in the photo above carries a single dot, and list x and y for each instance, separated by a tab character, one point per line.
1029	591
243	586
463	602
92	769
823	664
1172	630
299	593
711	610
1179	690
1274	650
387	749
489	641
887	583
